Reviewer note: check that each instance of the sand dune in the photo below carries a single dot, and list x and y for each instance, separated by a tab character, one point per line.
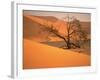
32	30
38	55
48	18
33	27
48	21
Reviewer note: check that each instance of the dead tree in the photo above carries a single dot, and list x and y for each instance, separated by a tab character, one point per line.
73	30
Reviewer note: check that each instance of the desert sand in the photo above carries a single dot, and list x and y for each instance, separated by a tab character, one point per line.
37	55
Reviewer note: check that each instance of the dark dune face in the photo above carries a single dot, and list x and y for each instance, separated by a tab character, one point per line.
33	30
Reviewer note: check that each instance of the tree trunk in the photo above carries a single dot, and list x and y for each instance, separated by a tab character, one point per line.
68	41
68	45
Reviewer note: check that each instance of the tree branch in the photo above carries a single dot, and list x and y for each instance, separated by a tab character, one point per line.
72	32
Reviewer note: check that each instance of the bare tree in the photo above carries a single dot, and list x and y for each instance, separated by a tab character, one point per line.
73	35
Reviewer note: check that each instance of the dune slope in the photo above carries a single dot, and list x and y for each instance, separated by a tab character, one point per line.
38	55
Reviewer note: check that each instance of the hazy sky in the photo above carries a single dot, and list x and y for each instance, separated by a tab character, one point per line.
60	15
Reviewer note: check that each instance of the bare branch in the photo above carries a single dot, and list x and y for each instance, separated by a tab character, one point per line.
72	32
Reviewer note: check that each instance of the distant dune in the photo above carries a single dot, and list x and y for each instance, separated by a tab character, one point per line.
33	27
49	18
38	55
86	26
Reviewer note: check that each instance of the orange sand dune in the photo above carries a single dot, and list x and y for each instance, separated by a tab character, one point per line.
38	55
33	28
58	24
39	20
